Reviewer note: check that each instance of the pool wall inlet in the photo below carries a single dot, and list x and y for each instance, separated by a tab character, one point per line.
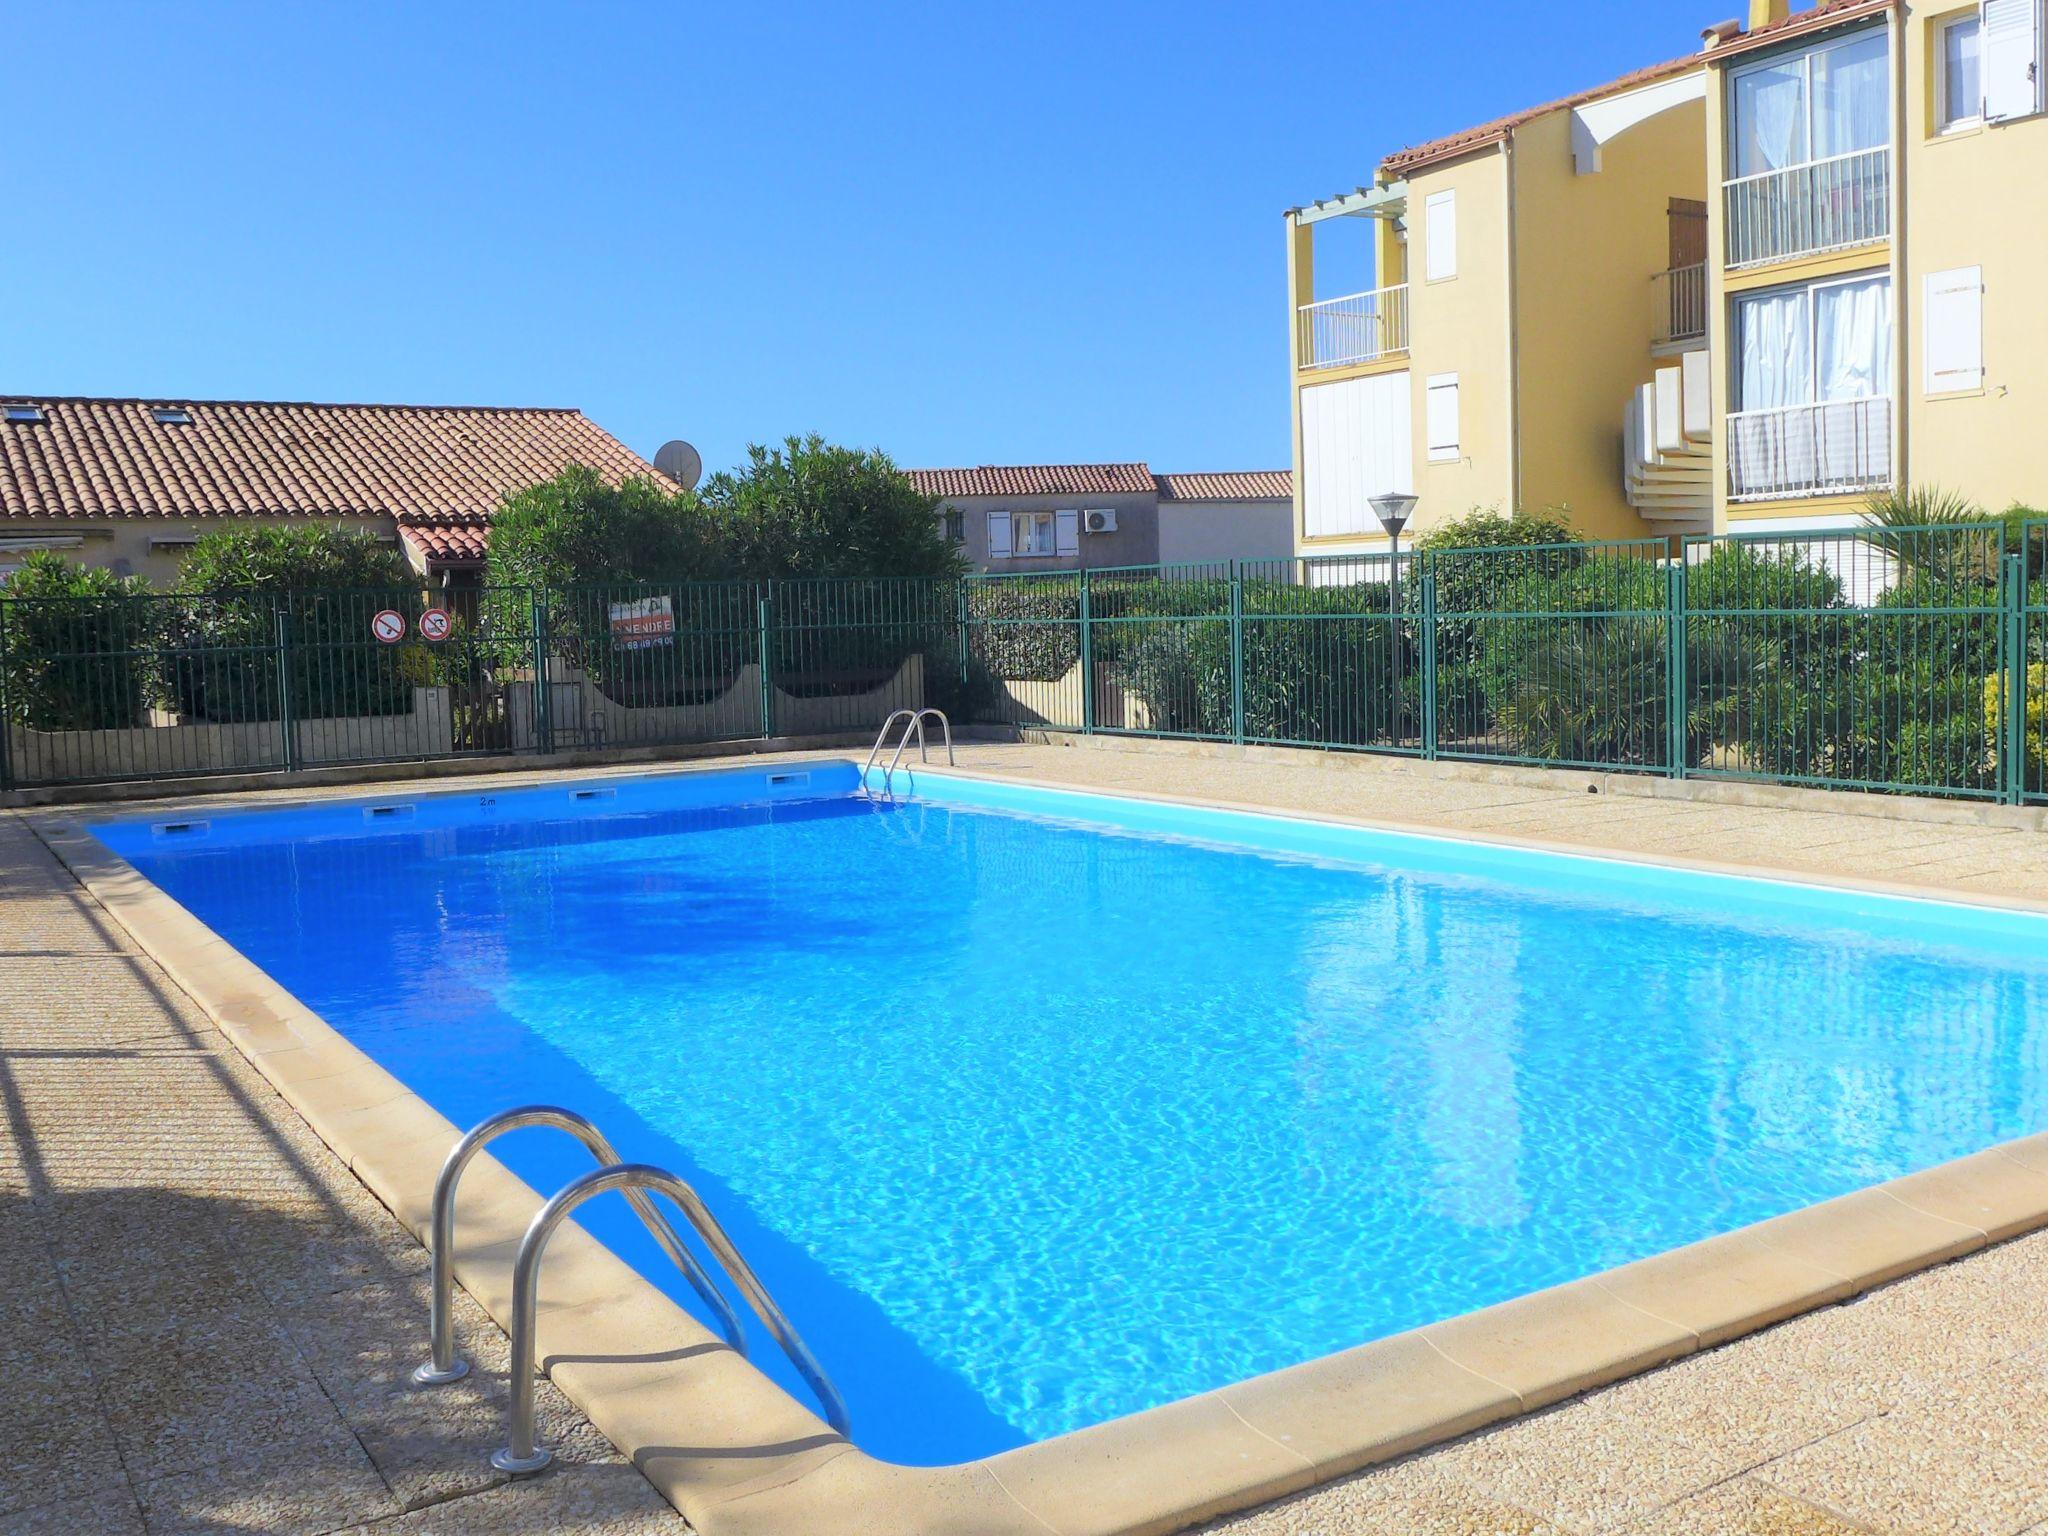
735	1454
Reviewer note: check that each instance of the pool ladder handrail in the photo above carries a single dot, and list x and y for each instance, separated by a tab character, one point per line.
916	719
521	1454
445	1364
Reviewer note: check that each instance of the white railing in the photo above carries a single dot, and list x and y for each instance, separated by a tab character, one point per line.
1357	328
1824	205
1679	310
1810	450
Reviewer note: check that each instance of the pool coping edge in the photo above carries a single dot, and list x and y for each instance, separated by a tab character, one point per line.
640	1367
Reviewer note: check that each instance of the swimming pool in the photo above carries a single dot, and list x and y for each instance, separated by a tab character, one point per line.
1037	1108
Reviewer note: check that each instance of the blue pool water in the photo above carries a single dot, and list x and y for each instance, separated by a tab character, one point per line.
1035	1109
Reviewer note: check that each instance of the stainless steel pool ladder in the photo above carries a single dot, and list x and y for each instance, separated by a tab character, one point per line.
520	1453
914	725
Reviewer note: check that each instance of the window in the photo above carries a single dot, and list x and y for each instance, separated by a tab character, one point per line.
1031	533
1440	236
1954	320
2009	40
1833	100
1958	74
1813	380
1440	416
956	525
1828	341
171	416
25	415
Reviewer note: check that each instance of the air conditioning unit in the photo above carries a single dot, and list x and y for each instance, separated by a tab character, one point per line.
1101	521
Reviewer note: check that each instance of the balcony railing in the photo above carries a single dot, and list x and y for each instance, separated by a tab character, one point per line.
1824	205
1680	303
1357	328
1810	450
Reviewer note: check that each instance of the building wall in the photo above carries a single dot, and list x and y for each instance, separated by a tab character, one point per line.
1975	198
1135	542
134	547
1464	325
1201	531
1586	250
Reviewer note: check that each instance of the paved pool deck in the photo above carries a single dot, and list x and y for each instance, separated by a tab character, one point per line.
206	1321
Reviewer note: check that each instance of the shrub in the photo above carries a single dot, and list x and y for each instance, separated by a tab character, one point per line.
81	646
2034	730
1579	673
579	530
319	586
1027	628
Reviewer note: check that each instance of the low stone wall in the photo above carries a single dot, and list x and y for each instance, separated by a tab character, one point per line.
198	747
1057	702
582	715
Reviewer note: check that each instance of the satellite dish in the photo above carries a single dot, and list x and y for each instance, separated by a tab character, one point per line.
680	462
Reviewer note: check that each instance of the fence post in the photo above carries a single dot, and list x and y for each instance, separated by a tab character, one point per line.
1087	661
1677	684
2012	720
766	642
960	623
1428	626
543	693
283	618
6	713
1236	656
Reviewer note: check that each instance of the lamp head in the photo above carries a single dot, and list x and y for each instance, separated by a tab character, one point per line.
1393	509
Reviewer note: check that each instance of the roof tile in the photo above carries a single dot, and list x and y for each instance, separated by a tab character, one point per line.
95	458
1034	480
1240	485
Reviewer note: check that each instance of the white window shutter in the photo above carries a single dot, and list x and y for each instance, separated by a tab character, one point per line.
1955	330
1066	537
2010	34
999	535
1440	236
1440	415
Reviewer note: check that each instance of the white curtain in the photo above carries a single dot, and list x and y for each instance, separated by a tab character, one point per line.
1777	352
1853	339
1851	102
1770	454
1770	118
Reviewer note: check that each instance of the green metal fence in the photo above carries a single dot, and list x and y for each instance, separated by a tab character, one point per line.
1878	659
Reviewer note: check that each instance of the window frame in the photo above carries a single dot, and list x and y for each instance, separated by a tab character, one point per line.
1809	288
1020	522
1731	149
1944	122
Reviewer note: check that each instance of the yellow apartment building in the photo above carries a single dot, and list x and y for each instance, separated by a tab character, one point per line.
1875	304
1746	289
1534	277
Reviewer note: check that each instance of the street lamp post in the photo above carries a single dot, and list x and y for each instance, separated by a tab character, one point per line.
1393	508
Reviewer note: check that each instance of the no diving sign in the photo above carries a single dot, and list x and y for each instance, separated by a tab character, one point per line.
388	625
436	624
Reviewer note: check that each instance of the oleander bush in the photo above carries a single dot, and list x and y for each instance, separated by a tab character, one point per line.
81	646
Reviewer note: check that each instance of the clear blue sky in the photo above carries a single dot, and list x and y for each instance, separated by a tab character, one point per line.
961	234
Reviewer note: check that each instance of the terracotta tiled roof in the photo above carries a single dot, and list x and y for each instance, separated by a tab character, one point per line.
112	458
457	542
1418	155
1246	485
1829	13
1034	480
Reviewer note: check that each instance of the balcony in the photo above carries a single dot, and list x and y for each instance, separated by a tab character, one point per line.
1804	210
1679	305
1833	447
1356	328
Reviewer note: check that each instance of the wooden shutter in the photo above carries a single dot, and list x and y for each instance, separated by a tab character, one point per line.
1440	236
999	535
1066	534
1355	443
2010	33
1955	330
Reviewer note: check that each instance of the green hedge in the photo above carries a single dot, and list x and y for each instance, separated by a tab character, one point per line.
81	646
